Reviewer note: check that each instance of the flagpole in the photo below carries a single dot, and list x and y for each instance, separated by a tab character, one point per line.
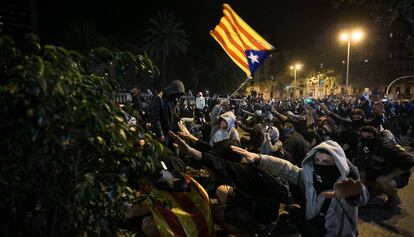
241	86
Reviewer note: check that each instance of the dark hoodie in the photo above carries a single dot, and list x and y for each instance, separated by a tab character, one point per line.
164	112
255	191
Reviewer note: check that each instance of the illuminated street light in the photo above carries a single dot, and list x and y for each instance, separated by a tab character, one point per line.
355	36
295	68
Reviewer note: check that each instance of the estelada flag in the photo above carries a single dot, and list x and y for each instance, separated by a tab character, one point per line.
243	45
183	214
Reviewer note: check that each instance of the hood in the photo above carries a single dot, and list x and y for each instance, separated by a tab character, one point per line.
258	113
174	88
229	118
274	133
335	150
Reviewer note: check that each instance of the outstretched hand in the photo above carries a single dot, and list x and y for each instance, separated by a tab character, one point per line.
345	188
185	134
324	107
182	145
249	156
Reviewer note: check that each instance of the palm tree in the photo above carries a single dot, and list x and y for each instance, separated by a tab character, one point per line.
165	35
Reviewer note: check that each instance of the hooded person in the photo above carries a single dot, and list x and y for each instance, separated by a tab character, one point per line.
223	126
200	101
271	144
164	111
294	145
330	186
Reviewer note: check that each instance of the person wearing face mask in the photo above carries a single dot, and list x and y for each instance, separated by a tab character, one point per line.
357	117
222	125
164	111
294	144
385	167
330	185
349	136
271	144
326	128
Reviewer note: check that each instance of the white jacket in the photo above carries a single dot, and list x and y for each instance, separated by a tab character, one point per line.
200	102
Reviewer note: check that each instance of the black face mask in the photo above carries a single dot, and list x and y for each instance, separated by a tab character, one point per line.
367	142
358	123
324	177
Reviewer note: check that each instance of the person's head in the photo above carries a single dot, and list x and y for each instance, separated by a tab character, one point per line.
274	133
288	128
174	90
326	125
227	120
326	172
357	115
223	123
312	137
368	136
323	157
199	94
363	98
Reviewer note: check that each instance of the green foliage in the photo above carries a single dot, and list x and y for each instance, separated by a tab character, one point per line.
68	159
121	67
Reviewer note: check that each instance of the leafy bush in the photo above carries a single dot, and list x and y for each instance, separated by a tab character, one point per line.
68	159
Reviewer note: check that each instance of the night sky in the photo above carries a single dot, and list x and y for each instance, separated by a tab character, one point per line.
289	25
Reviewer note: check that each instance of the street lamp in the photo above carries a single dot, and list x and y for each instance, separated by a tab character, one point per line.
295	68
355	35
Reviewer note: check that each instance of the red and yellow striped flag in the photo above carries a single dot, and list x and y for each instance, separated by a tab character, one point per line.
243	45
187	214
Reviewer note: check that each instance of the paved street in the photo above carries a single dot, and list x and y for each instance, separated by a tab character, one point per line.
378	222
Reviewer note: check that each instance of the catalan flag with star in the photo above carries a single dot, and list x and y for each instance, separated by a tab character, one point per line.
243	45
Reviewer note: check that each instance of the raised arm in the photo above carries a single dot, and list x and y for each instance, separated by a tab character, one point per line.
279	115
336	117
274	166
215	113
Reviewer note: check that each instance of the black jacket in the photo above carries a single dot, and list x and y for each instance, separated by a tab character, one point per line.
255	190
295	148
164	112
382	160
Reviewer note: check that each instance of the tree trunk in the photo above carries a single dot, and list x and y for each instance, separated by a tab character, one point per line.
164	70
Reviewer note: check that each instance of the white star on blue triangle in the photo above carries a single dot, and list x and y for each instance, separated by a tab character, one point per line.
255	58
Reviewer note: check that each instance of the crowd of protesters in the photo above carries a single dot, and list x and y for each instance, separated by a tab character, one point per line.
317	159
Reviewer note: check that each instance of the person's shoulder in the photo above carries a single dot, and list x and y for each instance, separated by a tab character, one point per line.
392	149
